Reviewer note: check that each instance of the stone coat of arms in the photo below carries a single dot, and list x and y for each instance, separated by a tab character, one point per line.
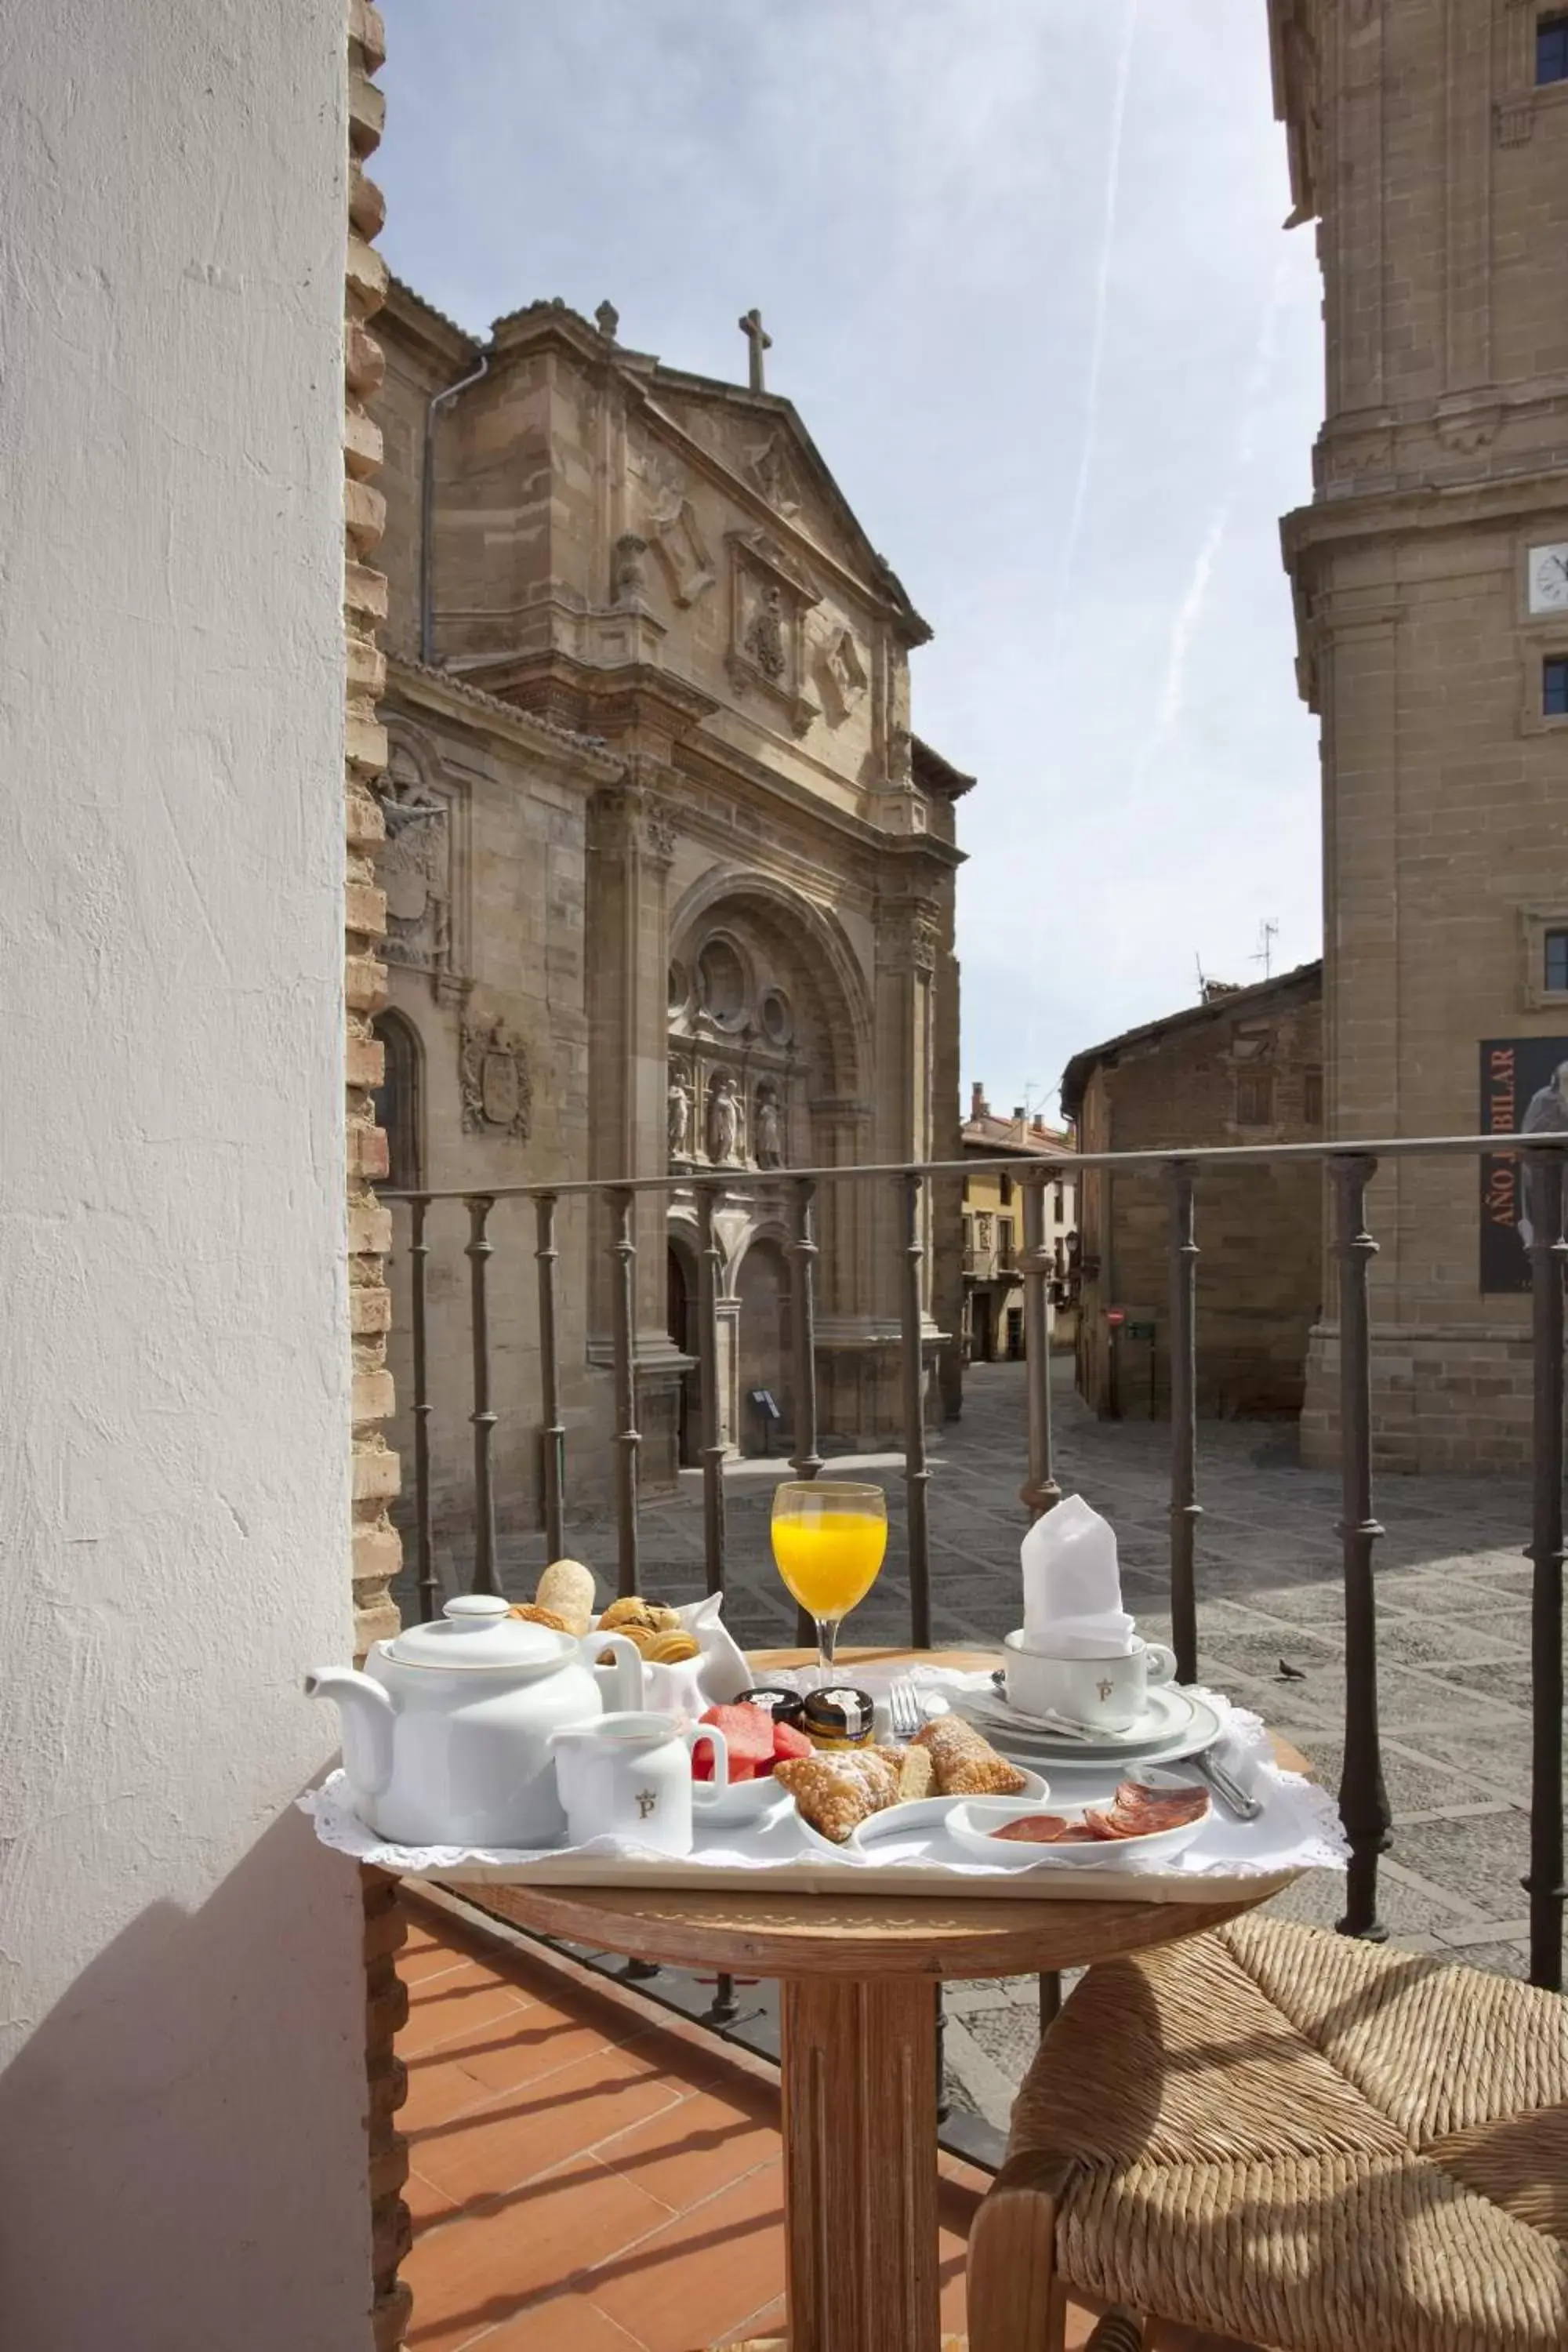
498	1092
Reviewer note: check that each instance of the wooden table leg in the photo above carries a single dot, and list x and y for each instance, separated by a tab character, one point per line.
860	2137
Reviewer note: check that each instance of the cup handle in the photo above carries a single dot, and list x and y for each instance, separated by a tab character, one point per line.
1162	1662
627	1670
705	1792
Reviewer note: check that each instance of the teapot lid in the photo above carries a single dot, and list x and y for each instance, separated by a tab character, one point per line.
478	1629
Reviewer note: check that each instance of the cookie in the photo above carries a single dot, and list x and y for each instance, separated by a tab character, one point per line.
671	1649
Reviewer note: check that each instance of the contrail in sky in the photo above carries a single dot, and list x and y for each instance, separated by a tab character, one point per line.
1068	556
1189	612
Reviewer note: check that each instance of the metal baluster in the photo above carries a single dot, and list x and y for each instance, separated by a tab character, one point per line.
708	1264
806	1461
624	1250
1040	1492
1185	1508
917	1477
1363	1799
419	1251
547	1257
1544	1883
479	1250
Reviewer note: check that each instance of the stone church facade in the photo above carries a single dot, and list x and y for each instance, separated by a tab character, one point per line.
669	881
1428	142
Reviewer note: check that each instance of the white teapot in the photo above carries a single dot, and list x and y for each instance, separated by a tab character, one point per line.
447	1733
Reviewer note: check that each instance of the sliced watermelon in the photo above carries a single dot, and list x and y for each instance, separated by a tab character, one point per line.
788	1743
749	1735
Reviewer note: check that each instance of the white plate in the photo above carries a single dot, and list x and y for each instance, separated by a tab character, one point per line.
974	1821
738	1804
929	1812
1175	1724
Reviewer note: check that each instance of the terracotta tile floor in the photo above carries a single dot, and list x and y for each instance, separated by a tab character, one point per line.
589	2174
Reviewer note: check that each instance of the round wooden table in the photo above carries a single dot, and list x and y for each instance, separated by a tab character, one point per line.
858	1977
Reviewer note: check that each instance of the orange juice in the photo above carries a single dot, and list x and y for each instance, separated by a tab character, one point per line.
829	1559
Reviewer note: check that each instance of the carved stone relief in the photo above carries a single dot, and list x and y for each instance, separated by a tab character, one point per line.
770	599
909	935
772	471
415	868
843	676
497	1091
672	529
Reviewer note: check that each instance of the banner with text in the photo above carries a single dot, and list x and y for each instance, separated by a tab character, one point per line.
1524	1091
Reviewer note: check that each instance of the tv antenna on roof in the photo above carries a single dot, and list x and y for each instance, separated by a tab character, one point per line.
1267	932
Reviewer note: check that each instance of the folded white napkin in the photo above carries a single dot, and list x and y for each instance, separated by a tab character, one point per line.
1073	1585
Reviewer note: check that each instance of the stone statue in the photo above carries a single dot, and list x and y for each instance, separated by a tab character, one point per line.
767	1133
629	583
765	638
680	1119
1547	1114
724	1122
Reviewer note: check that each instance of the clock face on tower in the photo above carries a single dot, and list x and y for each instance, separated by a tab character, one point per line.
1549	578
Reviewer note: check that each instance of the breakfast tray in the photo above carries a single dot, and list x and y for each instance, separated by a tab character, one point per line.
1298	1830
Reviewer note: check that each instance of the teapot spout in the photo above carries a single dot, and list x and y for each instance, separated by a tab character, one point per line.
368	1716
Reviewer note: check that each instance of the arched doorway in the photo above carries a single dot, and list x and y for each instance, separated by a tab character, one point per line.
397	1102
762	1288
680	1322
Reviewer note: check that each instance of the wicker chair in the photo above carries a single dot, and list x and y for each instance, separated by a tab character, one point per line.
1293	2139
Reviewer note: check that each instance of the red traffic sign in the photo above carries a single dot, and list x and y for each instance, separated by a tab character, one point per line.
1116	1315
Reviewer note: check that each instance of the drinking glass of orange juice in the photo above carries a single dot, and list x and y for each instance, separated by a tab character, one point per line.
828	1541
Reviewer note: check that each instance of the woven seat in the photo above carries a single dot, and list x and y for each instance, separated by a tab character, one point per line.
1294	2139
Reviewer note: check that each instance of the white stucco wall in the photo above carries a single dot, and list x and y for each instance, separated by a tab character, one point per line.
182	2162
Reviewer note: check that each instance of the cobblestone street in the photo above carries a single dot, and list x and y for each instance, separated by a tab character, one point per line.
1454	1633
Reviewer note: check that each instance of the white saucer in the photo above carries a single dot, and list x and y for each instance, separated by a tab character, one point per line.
1174	1724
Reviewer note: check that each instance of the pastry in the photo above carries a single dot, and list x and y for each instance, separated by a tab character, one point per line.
622	1615
839	1717
625	1616
837	1792
964	1763
567	1588
538	1616
915	1772
672	1649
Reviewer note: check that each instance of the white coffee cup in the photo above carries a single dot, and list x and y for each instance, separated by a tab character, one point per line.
629	1775
1107	1694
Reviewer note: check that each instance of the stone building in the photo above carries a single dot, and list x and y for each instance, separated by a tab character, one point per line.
993	1324
1244	1066
669	881
1430	143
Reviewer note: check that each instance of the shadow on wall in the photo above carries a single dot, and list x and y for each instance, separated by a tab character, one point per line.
141	2209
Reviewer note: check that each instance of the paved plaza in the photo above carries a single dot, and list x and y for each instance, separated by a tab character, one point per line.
1454	1640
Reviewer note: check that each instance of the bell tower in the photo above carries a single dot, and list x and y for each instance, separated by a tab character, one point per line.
1428	143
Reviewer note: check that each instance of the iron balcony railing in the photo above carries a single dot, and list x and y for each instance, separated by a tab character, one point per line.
1363	1802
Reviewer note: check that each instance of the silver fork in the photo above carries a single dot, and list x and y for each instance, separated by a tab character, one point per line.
905	1712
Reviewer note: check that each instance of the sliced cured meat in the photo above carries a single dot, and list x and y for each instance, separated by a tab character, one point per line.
1142	1811
1107	1825
1035	1829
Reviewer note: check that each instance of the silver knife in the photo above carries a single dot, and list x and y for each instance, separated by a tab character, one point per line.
1229	1791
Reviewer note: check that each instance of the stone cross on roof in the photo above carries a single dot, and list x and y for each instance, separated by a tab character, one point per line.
751	326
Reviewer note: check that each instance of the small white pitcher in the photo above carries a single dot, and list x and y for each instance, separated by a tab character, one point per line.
629	1776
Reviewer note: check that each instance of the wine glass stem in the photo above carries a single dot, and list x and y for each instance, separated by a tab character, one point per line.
827	1641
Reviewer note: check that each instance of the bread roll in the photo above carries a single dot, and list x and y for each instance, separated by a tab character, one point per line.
566	1587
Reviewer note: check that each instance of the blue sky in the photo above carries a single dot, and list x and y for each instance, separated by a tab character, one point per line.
1024	268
